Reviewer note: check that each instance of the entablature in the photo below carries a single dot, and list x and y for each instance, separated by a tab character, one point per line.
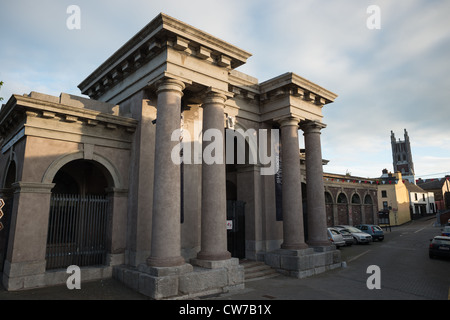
160	35
46	116
292	95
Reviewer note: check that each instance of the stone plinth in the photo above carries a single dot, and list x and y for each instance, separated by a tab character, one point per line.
304	263
185	281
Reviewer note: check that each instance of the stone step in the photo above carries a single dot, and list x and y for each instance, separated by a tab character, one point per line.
257	270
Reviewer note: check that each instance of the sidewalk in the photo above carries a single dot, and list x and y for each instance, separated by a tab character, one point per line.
106	289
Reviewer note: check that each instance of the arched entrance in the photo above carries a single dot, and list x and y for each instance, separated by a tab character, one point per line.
356	209
342	207
329	208
368	209
236	204
79	205
8	198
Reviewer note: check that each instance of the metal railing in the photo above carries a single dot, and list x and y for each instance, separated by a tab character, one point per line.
77	231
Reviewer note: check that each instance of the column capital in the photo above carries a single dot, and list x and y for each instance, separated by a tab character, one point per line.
311	126
288	121
32	187
170	84
212	96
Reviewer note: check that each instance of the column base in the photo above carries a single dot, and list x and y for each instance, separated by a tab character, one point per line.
303	263
295	246
183	282
320	244
165	262
213	256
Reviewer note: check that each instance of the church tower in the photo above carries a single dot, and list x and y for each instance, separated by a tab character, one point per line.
402	157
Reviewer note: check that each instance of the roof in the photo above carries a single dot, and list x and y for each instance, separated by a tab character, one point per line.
151	39
413	188
431	184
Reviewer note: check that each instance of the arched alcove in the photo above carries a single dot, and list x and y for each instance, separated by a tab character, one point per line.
79	214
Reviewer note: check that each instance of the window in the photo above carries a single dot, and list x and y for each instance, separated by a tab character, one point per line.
356	199
368	199
385	205
342	198
423	196
415	196
383	193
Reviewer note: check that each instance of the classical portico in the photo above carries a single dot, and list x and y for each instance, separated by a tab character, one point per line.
174	228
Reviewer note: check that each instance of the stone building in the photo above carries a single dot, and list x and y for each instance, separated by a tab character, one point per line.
350	200
402	157
98	182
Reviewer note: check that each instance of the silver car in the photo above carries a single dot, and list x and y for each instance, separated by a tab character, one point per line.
358	235
348	238
335	237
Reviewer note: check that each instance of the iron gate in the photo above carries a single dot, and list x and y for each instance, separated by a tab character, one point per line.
77	231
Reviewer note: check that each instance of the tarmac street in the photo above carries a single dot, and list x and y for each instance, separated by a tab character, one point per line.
405	272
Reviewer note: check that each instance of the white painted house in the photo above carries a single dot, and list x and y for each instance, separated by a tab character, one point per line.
421	201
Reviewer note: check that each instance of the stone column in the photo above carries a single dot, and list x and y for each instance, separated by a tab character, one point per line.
214	204
166	228
293	235
315	191
25	261
117	234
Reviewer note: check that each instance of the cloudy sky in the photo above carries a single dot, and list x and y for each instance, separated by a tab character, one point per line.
393	78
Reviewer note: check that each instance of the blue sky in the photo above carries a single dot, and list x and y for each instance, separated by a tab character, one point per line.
393	78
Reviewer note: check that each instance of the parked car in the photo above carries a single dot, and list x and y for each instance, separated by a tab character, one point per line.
375	231
358	235
335	237
439	247
446	231
347	235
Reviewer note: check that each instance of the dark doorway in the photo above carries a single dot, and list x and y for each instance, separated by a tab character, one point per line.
236	228
78	219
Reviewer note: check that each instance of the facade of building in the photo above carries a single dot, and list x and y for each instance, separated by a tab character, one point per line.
403	200
422	202
393	198
441	190
350	200
132	183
